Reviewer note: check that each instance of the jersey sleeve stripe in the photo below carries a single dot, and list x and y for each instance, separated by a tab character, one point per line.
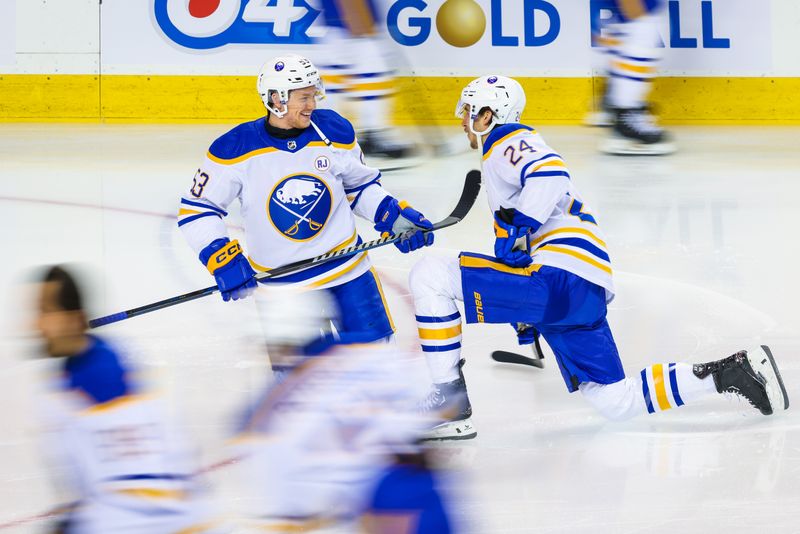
205	206
569	230
538	160
192	218
576	255
363	186
580	243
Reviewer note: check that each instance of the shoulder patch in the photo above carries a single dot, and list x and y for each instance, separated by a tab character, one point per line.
239	141
334	126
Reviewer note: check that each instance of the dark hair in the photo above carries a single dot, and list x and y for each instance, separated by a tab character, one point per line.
68	297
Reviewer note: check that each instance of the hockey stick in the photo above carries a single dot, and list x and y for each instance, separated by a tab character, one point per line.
503	356
472	186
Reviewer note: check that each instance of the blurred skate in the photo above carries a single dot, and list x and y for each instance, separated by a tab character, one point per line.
635	132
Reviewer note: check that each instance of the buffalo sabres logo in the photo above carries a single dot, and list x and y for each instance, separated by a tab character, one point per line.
299	206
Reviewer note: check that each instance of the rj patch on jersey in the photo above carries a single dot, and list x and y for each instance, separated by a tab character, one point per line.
299	206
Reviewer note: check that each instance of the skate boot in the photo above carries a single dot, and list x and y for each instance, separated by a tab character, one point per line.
451	400
636	133
753	376
382	143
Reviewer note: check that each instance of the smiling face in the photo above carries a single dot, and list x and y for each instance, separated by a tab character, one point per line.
299	107
481	124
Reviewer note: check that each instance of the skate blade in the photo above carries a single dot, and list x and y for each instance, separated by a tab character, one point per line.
452	430
763	362
617	146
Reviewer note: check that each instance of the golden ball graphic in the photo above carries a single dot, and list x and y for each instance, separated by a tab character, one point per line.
461	23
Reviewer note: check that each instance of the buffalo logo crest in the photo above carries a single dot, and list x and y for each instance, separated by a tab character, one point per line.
299	206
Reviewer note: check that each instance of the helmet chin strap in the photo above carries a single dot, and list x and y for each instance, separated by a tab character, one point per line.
480	135
277	113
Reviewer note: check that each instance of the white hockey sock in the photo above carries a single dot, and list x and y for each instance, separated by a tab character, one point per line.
436	285
633	64
440	337
666	386
657	388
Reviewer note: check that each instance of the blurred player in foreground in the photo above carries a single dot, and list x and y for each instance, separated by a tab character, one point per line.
300	177
551	273
357	69
126	468
333	446
632	47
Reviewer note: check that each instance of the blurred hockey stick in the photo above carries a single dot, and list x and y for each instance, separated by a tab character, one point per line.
537	361
472	186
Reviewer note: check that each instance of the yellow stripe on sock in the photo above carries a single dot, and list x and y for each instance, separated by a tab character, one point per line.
440	333
661	389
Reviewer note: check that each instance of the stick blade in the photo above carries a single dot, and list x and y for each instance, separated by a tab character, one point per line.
472	186
512	357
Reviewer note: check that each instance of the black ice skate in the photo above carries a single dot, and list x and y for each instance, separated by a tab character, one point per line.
636	133
381	143
753	376
451	399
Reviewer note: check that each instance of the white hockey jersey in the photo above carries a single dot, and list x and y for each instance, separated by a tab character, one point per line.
521	171
124	462
297	197
316	445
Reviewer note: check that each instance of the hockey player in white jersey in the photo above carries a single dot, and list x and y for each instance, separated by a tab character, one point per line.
358	69
557	283
632	51
334	446
300	177
125	466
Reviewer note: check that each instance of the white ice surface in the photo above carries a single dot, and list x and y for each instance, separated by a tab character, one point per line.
706	262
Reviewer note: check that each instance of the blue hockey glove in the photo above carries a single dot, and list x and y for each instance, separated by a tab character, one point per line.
526	333
506	234
235	277
393	217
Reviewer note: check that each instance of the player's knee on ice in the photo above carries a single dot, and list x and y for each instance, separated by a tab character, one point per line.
619	401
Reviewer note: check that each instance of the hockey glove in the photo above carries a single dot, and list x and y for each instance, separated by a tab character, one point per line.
235	277
526	333
393	217
506	233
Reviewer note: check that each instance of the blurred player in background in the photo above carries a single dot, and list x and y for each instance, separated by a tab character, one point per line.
300	177
126	468
333	447
551	273
358	69
632	49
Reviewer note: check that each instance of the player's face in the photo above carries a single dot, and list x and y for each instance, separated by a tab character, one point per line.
301	103
478	125
57	327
